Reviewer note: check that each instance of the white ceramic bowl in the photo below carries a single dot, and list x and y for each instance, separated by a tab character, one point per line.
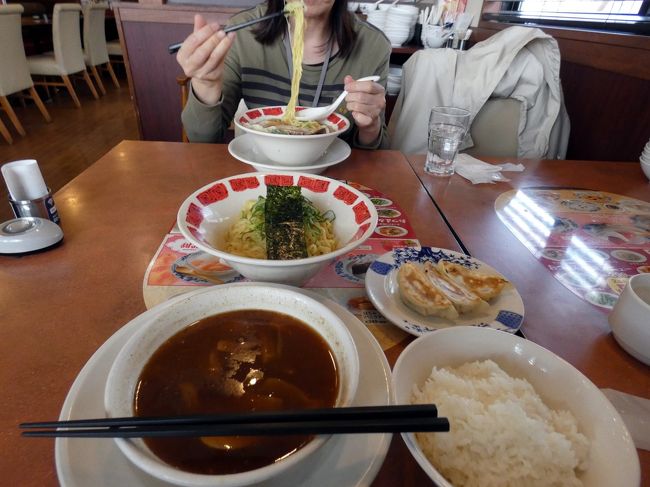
125	371
397	38
409	10
645	167
434	42
613	457
353	6
367	7
290	150
205	217
629	318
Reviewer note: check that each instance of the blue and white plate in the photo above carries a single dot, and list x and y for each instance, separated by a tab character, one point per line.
506	312
354	267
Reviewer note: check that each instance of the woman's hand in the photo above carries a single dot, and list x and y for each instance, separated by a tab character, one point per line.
202	56
366	100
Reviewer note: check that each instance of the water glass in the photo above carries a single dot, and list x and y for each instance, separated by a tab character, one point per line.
447	129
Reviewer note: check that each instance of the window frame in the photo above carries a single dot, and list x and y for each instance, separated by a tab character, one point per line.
503	12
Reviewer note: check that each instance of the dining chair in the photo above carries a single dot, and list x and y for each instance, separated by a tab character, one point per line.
114	48
184	83
68	57
495	129
518	64
14	73
95	50
5	133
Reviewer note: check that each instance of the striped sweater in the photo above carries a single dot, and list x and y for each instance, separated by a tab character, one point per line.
260	75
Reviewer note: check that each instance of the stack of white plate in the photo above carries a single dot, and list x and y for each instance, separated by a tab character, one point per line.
353	6
394	80
400	23
377	18
645	160
396	21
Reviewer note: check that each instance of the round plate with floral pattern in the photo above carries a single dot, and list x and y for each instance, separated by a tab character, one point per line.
506	311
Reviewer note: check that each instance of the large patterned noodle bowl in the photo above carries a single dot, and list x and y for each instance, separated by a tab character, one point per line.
205	217
290	150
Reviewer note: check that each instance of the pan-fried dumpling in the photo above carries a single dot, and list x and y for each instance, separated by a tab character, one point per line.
418	293
485	286
464	300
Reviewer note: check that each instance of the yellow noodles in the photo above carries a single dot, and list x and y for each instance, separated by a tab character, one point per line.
295	8
244	238
247	239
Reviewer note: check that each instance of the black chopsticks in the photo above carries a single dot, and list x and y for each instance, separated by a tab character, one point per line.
364	419
232	28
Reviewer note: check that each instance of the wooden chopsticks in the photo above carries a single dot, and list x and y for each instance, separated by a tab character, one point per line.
364	419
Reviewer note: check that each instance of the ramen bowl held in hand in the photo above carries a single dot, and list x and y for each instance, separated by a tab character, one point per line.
290	146
264	318
206	218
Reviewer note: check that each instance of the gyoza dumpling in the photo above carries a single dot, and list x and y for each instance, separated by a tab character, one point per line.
485	286
462	298
418	293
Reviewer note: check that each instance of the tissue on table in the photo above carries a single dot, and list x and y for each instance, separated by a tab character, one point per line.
635	412
478	171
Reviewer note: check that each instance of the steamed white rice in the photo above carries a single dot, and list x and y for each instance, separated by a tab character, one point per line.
502	434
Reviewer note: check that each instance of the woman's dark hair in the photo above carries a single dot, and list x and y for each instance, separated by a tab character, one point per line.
340	21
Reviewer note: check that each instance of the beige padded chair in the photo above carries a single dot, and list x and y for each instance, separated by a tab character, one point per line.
114	48
115	53
68	57
495	129
95	51
14	73
5	133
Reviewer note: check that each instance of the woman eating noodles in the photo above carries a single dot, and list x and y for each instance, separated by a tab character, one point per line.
256	64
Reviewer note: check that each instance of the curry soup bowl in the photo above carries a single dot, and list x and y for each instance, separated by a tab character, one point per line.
123	378
612	458
206	216
290	150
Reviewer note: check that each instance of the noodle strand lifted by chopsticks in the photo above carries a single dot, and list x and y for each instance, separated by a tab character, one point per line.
295	8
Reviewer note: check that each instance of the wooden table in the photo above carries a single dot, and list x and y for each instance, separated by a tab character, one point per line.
59	306
555	318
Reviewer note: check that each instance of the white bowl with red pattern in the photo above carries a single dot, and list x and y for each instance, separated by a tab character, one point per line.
206	215
290	150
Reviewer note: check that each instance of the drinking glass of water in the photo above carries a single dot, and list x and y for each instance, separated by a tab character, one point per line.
447	129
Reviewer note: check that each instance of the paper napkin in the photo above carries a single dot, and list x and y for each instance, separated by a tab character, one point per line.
481	172
24	180
635	412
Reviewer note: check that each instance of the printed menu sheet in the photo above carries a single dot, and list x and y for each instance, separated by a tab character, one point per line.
179	267
591	241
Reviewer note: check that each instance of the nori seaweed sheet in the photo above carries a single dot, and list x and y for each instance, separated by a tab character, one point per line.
283	222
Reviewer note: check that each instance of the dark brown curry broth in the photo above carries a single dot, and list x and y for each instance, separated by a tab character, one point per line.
198	370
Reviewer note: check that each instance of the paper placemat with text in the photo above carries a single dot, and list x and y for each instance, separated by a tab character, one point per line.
591	241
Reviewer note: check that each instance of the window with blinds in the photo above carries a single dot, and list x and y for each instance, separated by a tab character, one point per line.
631	16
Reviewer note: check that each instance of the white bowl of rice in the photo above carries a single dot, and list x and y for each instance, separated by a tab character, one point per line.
519	414
223	219
289	149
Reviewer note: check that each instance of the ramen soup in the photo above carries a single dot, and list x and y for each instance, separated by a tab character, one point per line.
247	360
295	127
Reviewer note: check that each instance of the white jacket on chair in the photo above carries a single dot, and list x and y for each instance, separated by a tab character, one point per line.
519	62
